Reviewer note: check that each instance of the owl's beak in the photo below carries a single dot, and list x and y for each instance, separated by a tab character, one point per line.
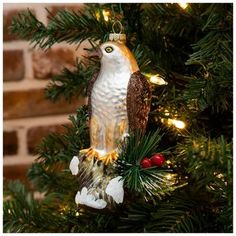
96	53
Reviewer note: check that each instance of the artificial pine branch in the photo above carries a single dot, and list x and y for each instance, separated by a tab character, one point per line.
213	54
71	84
55	152
208	165
67	26
22	213
173	214
28	27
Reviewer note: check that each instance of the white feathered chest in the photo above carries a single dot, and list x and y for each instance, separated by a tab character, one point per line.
109	95
109	107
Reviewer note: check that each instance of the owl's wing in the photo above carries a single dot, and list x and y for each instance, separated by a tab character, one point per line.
138	101
89	92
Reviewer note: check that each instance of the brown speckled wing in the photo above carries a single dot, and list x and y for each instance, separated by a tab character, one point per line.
89	91
138	101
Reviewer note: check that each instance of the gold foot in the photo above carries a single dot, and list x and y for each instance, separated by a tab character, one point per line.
90	153
109	157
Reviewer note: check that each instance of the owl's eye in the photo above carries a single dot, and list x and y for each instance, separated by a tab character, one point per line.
108	49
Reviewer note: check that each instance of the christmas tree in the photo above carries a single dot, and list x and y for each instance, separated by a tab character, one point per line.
185	53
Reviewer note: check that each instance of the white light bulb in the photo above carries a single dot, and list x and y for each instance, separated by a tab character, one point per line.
183	5
178	124
156	79
106	15
169	176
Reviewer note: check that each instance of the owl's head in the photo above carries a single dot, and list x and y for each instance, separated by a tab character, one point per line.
117	55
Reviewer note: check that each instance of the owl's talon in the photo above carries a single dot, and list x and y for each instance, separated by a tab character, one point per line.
90	153
109	157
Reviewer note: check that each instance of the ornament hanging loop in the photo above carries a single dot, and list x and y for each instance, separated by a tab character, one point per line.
117	36
120	26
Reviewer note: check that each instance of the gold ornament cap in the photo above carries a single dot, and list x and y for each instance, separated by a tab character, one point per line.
117	36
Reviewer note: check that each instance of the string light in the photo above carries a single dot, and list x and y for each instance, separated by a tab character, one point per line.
178	123
220	176
106	15
168	162
183	5
157	79
163	120
169	176
167	113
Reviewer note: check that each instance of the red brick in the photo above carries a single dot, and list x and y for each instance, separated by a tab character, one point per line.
13	65
49	63
10	143
31	103
35	135
13	172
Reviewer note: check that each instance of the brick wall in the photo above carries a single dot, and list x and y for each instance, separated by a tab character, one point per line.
28	116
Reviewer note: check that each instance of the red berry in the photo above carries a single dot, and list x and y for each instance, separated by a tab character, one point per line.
146	163
157	159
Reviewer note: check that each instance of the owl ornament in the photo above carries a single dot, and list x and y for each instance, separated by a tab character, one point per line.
119	103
